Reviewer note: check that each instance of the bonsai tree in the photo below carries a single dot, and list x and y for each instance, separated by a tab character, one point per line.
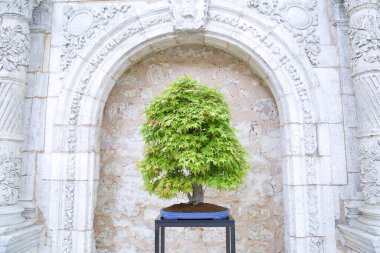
190	143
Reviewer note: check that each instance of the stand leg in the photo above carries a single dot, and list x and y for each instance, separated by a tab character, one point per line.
228	239
156	239
233	247
162	239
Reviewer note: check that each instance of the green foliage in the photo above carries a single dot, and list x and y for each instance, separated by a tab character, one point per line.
189	139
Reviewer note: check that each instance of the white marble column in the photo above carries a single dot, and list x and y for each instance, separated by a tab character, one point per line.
363	234
17	234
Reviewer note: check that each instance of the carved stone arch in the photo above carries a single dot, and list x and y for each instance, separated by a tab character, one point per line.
288	74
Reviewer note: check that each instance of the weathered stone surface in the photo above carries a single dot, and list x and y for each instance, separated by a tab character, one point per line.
125	212
298	49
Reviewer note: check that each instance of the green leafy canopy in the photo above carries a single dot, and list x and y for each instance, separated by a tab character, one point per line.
189	139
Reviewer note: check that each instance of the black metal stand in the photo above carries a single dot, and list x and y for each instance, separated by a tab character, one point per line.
161	224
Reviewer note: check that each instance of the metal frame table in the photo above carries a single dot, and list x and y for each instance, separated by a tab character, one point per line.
161	224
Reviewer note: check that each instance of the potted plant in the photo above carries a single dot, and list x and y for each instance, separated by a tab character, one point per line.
189	145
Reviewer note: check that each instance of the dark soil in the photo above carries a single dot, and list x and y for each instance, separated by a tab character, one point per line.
190	208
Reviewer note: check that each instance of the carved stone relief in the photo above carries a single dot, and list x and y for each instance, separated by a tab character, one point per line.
351	4
365	37
83	25
11	101
14	46
367	91
189	15
300	19
10	169
75	108
369	159
286	62
21	7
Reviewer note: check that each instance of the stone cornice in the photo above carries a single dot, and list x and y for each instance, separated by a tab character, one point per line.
23	8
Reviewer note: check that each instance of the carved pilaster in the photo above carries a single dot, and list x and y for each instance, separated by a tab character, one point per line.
363	235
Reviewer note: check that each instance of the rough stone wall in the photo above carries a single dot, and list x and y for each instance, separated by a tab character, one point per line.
125	212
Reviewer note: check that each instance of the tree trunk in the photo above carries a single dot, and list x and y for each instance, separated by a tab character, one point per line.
197	196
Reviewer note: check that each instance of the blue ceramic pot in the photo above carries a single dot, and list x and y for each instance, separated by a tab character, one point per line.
194	216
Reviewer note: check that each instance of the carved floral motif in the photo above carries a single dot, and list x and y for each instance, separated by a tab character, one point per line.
302	28
313	210
90	21
14	46
10	169
365	37
189	15
315	245
369	157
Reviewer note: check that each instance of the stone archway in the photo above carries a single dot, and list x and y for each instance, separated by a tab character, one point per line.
309	221
124	210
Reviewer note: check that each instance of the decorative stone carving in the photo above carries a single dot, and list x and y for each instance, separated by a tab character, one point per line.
83	25
300	19
367	91
352	4
68	216
310	139
311	172
74	114
20	7
365	37
14	46
315	245
313	210
285	60
369	158
10	169
11	101
189	15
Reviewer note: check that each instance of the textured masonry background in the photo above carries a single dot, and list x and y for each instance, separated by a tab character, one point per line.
125	212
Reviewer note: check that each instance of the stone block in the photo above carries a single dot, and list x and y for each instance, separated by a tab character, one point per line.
37	85
349	111
328	57
330	84
338	154
323	136
37	47
34	124
293	144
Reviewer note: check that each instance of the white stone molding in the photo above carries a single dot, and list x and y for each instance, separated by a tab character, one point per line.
83	25
189	15
300	19
79	111
363	233
17	234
